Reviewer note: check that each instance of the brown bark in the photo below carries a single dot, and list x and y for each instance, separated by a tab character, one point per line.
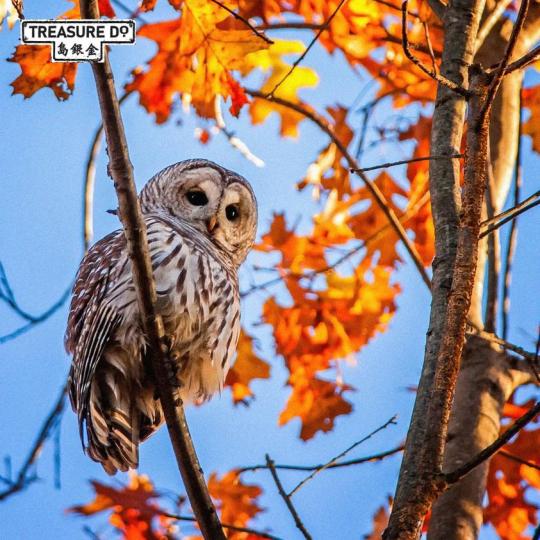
417	485
486	379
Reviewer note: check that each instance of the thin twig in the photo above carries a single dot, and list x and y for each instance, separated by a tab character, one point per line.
121	171
405	161
513	235
377	194
430	46
492	338
225	526
367	459
289	26
490	21
494	258
323	27
23	479
501	69
234	141
525	462
406	49
342	454
132	13
494	447
299	525
239	17
7	296
525	61
510	214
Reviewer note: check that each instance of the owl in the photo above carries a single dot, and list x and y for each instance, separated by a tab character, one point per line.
201	221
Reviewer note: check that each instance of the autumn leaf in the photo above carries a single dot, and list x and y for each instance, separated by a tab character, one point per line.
531	100
134	511
247	367
271	61
196	54
380	521
510	483
236	502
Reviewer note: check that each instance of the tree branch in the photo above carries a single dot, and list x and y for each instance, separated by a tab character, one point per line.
377	194
225	526
512	237
334	460
322	28
510	215
405	162
23	479
121	171
501	69
299	525
435	76
516	427
489	22
368	459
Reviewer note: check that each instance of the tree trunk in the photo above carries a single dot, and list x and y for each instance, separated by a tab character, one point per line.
486	380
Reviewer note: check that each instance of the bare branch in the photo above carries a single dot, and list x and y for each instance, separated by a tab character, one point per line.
289	26
121	170
501	69
490	21
525	462
492	338
516	427
510	215
18	5
299	525
230	527
334	460
24	479
368	459
377	194
239	17
132	13
323	27
404	162
7	296
525	61
494	259
406	49
512	237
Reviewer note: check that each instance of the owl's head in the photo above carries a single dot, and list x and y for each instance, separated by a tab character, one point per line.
216	201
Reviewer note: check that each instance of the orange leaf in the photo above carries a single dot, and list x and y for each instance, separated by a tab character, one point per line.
248	366
236	501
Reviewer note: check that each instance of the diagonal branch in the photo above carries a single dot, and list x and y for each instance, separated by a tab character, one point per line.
502	67
121	171
239	17
359	461
511	214
405	162
23	479
334	460
512	237
299	525
377	194
516	427
431	73
297	62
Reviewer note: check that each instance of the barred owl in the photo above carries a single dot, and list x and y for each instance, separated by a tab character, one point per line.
201	221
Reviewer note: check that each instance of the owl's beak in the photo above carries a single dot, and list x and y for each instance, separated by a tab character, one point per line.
211	224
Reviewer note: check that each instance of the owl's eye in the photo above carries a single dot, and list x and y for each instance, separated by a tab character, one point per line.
197	198
232	212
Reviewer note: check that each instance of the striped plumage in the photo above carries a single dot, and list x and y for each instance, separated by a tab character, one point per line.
195	250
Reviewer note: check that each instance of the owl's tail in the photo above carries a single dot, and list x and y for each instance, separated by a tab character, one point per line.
121	414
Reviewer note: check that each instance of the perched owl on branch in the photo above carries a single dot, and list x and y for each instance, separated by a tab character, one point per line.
201	221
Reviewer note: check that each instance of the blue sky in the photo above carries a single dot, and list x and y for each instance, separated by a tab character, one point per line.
43	150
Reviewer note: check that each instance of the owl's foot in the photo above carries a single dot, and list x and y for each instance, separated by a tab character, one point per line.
172	366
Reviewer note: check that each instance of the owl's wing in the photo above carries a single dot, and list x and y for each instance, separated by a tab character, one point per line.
91	322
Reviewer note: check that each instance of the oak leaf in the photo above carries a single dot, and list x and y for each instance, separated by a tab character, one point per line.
247	366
